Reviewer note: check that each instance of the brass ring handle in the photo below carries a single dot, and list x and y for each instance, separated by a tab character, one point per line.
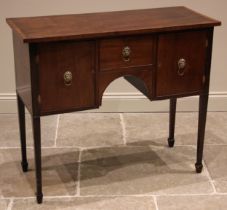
126	51
68	78
181	67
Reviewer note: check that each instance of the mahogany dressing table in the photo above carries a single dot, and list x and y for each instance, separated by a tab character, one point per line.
64	63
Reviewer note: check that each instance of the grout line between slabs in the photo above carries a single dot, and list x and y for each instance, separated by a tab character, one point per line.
155	202
77	193
117	195
92	147
209	177
150	195
10	205
48	147
56	132
123	128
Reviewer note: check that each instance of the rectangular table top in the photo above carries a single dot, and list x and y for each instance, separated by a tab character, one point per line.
94	25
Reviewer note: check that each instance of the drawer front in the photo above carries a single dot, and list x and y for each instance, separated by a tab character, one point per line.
66	76
126	52
181	63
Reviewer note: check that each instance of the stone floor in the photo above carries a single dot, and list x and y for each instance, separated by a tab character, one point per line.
97	161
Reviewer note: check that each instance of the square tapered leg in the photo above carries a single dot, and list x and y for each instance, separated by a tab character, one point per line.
172	116
203	101
37	154
22	128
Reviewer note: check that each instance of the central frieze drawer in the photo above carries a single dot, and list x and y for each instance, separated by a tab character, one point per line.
133	51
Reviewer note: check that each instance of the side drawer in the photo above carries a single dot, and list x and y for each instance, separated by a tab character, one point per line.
181	63
66	76
123	52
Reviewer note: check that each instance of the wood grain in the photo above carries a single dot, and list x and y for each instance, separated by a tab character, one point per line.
22	71
141	52
144	75
173	46
93	25
54	60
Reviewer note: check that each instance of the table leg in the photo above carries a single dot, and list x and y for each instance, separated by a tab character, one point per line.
37	153
203	101
22	127
172	116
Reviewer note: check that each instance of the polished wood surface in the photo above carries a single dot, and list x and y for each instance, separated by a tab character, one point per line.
93	25
105	78
22	71
190	46
111	50
165	53
76	57
203	103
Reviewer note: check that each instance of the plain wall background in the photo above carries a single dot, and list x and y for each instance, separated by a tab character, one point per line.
119	96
